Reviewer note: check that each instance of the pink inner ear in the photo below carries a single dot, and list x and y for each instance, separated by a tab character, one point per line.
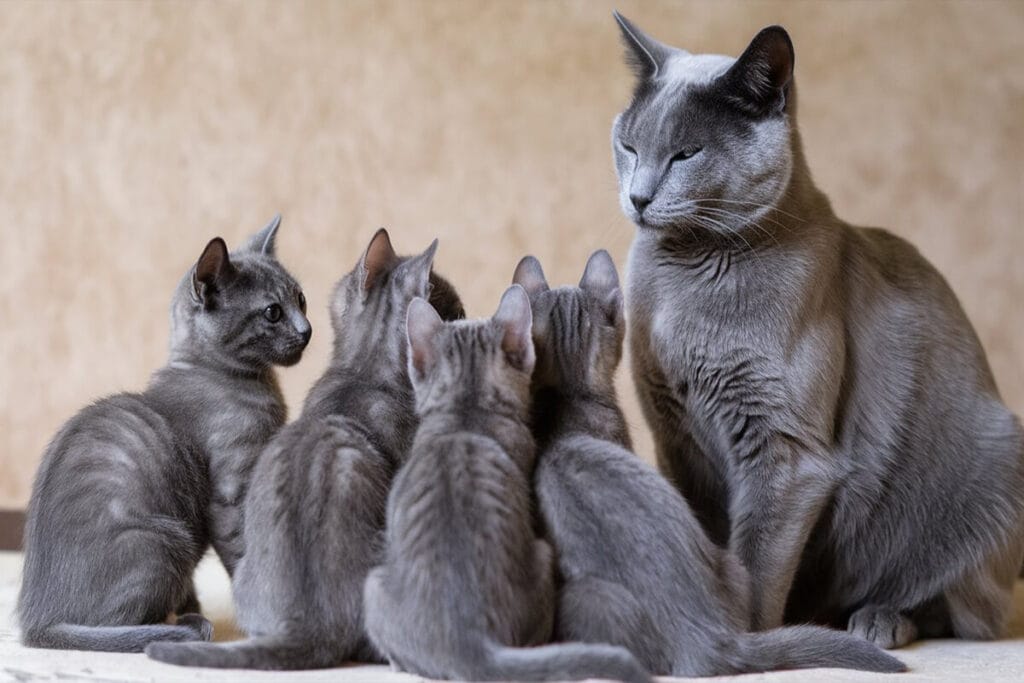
379	258
213	262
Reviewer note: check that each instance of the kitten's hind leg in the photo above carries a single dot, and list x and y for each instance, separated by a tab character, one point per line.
190	604
884	626
592	610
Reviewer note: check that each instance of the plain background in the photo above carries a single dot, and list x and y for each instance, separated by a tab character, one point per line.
131	133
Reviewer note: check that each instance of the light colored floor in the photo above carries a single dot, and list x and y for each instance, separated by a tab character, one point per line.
928	661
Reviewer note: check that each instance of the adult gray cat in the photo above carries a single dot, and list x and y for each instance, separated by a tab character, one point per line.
466	581
315	510
814	388
132	489
650	580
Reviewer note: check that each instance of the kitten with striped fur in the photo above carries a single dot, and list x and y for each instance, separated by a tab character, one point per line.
134	488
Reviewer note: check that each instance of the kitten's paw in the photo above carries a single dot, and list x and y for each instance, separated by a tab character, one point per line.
883	626
198	623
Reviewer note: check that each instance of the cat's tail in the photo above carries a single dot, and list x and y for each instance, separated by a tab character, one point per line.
271	653
560	662
809	647
118	638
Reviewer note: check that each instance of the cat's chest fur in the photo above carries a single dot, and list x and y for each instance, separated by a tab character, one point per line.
717	348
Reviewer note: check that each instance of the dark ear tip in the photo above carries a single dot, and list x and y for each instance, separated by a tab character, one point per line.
778	35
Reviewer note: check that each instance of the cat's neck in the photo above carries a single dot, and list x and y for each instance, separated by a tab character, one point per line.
561	413
509	430
199	365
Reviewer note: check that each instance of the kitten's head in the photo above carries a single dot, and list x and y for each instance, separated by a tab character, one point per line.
479	364
577	331
369	304
706	141
241	309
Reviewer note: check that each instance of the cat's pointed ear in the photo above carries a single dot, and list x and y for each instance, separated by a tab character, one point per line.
378	259
644	55
515	320
602	280
264	242
760	78
422	323
419	269
212	271
530	276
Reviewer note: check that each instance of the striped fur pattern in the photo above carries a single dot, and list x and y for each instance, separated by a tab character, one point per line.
315	511
133	489
651	580
467	584
814	388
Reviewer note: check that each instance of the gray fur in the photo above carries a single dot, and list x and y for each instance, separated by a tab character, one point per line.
815	388
466	583
315	511
649	580
132	490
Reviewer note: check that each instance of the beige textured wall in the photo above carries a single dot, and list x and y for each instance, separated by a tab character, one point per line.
130	133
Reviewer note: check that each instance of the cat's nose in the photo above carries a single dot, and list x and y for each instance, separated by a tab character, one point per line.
640	202
307	334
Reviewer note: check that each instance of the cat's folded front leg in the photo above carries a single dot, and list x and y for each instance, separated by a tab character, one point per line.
780	491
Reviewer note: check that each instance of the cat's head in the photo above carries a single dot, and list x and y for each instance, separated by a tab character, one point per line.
706	141
577	331
241	309
369	303
479	364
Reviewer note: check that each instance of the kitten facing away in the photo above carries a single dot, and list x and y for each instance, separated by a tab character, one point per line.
813	387
315	510
466	582
133	489
648	579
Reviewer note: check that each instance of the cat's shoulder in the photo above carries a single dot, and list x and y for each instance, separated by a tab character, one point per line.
888	255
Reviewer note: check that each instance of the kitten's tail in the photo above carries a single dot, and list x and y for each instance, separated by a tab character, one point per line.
560	662
271	653
118	638
809	647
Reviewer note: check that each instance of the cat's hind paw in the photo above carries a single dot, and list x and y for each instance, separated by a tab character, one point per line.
883	626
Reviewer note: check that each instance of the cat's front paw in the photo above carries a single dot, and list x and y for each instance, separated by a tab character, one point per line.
883	626
198	623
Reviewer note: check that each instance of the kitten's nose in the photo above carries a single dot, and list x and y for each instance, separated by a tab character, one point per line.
639	202
307	334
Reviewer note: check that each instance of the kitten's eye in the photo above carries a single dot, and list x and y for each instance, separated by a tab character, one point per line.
302	302
628	148
272	313
685	154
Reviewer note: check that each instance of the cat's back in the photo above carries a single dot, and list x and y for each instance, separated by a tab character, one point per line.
657	548
460	497
117	448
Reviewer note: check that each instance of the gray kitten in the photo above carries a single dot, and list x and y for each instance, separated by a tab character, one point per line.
132	489
466	583
315	511
814	388
650	580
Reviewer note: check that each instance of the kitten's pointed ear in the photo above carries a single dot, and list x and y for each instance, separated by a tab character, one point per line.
601	279
644	55
760	78
264	242
515	319
422	323
420	267
530	276
378	259
212	271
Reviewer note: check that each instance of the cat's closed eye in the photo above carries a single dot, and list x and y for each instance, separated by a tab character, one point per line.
272	313
302	302
628	148
686	153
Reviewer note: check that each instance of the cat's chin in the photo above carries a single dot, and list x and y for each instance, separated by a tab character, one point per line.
288	360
